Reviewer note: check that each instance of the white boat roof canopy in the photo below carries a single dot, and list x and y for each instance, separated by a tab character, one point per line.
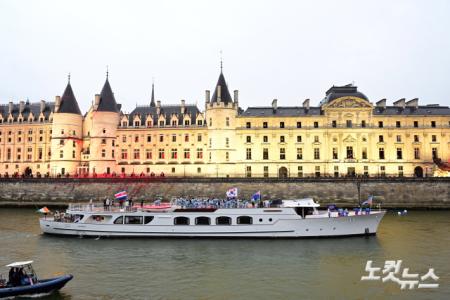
20	264
307	202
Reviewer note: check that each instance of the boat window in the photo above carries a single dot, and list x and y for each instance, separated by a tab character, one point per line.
202	221
244	220
133	219
119	220
223	221
181	221
148	219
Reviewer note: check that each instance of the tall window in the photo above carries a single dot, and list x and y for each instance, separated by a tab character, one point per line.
227	142
174	138
400	171
364	153
148	154
187	153
350	152
363	124
248	153
398	124
281	124
248	139
300	171
335	153
334	124
381	153
416	153
265	153
349	123
416	124
434	153
161	153
316	124
265	125
227	121
380	139
103	153
282	140
199	153
248	125
173	154
248	171
265	139
282	153
433	124
124	154
380	124
434	138
399	138
399	153
299	153
186	137
316	153
416	138
299	124
316	139
199	137
266	171
136	154
299	138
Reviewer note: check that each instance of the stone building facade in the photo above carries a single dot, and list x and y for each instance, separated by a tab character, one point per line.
346	134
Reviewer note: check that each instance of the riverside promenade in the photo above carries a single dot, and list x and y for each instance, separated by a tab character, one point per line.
393	192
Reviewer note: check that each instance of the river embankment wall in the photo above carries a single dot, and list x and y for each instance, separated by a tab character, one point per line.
412	193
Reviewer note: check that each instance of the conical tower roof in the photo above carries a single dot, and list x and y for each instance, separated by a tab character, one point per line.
69	104
107	100
224	92
152	102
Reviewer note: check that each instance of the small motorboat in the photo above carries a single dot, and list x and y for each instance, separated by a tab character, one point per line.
23	281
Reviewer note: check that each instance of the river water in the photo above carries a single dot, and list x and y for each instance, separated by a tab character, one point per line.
234	269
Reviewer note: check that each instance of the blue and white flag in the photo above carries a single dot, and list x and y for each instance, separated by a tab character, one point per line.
123	195
369	200
256	196
232	193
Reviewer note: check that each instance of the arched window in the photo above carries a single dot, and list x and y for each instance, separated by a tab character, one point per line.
245	220
202	221
181	221
223	221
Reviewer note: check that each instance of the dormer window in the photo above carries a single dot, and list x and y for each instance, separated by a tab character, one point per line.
149	123
186	123
199	122
174	123
136	124
161	123
124	124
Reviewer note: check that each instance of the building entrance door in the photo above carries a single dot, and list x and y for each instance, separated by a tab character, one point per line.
283	172
351	171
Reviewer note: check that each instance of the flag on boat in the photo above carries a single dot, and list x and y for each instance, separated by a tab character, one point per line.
232	193
256	196
369	200
44	210
121	195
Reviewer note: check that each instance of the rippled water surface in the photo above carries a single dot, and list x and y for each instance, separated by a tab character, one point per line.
233	269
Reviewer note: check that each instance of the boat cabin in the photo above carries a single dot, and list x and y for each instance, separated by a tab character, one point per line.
303	207
21	274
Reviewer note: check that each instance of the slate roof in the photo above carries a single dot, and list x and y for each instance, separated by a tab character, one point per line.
167	110
341	91
35	108
107	100
419	111
224	92
281	111
68	102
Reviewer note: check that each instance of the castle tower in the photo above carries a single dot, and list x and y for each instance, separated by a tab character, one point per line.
221	112
66	143
100	128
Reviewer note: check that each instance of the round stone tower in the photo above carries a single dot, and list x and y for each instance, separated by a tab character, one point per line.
100	129
66	143
221	112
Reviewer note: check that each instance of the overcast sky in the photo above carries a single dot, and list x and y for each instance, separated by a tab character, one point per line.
289	50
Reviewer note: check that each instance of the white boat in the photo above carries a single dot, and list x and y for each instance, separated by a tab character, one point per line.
290	219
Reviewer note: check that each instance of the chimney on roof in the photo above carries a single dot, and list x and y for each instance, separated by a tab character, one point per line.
96	101
57	103
21	106
381	103
158	107
400	103
236	96
306	104
42	106
413	103
207	96
219	93
183	106
274	105
10	107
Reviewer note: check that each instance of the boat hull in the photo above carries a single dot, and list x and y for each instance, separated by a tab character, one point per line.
279	227
41	287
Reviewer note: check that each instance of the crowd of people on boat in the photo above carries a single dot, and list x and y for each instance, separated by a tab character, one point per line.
18	277
220	203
